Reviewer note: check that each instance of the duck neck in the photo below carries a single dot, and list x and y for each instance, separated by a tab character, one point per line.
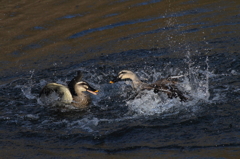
136	82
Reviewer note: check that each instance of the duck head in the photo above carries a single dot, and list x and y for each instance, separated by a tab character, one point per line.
76	85
84	86
125	74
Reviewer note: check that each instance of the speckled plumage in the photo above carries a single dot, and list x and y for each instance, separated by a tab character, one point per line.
73	94
164	85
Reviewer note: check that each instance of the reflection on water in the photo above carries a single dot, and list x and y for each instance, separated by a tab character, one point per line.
48	41
165	24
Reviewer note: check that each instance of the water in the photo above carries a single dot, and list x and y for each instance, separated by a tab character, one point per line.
49	41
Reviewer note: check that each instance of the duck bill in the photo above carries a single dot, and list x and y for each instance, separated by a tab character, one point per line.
92	90
115	80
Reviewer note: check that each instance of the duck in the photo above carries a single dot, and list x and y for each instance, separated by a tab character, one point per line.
167	85
73	93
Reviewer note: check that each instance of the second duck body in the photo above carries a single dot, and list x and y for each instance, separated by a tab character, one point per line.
167	86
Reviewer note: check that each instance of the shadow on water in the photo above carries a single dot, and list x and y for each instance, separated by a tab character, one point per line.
100	39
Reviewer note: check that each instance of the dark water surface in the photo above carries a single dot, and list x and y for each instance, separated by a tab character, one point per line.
48	41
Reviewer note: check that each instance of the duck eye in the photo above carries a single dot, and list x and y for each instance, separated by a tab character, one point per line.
122	73
120	76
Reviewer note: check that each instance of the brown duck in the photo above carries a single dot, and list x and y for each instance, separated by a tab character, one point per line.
73	94
167	86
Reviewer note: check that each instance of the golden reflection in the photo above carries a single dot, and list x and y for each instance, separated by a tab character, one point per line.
33	30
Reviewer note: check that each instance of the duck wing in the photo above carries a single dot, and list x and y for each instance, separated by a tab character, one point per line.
46	91
52	87
175	92
166	81
169	80
169	88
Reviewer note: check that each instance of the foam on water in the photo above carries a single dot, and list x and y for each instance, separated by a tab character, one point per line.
149	103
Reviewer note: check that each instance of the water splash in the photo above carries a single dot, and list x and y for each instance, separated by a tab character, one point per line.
27	92
195	84
27	87
119	104
149	103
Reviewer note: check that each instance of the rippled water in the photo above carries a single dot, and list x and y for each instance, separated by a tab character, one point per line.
48	41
